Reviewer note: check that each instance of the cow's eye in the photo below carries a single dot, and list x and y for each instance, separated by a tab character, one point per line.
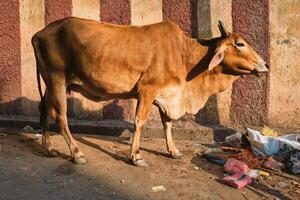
239	44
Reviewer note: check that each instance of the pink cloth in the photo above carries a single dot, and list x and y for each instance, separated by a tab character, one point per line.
237	170
233	166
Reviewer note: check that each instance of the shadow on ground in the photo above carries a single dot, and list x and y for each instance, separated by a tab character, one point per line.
25	173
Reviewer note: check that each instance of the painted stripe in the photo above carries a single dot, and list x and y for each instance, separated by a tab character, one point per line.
249	94
146	12
221	10
81	107
117	11
10	62
284	93
57	9
86	9
32	19
217	108
142	13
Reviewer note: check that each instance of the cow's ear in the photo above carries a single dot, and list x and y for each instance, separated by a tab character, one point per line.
217	58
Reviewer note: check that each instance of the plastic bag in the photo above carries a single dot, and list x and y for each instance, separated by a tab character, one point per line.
268	146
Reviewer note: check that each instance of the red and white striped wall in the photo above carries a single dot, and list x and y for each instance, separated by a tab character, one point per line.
252	100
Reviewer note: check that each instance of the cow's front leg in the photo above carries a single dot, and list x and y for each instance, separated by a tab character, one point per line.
167	124
142	112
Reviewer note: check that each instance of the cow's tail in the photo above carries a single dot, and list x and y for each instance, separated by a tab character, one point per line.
38	58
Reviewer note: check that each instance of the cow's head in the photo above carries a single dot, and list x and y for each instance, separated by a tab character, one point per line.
234	54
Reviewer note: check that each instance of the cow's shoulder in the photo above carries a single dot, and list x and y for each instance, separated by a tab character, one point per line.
172	26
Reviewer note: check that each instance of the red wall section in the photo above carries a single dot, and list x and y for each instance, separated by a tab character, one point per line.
117	11
10	58
249	94
57	9
182	13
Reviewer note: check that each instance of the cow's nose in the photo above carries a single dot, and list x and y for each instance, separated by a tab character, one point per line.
267	66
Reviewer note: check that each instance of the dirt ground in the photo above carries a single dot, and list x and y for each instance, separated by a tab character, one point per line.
25	173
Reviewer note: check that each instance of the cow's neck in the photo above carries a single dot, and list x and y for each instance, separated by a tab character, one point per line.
206	83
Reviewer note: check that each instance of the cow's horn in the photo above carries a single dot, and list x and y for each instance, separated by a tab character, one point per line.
222	28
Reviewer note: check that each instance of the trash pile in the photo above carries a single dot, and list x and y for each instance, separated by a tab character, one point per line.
248	153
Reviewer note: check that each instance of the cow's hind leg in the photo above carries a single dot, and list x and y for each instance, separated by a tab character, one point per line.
167	124
45	117
142	112
59	102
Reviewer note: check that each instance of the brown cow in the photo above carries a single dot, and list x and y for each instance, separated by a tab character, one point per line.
155	64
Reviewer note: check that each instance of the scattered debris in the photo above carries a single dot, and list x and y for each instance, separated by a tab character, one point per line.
147	139
267	131
221	154
159	188
196	145
254	173
269	146
26	140
212	177
270	163
197	168
296	184
28	128
282	184
234	140
215	155
3	134
254	149
38	153
245	195
238	173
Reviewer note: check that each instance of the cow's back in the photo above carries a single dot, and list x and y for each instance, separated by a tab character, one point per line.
113	58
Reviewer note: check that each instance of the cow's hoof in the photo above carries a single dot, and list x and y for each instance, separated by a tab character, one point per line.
140	163
176	155
52	153
80	161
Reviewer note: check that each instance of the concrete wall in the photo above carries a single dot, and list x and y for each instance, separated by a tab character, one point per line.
284	93
146	12
217	109
269	25
32	19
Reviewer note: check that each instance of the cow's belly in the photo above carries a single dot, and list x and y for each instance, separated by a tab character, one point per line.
105	82
96	93
171	101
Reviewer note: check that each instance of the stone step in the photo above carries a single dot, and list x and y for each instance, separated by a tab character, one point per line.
182	130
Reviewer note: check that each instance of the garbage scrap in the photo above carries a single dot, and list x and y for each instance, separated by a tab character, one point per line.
267	146
270	163
28	128
253	149
221	154
3	134
237	173
234	140
159	188
267	131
